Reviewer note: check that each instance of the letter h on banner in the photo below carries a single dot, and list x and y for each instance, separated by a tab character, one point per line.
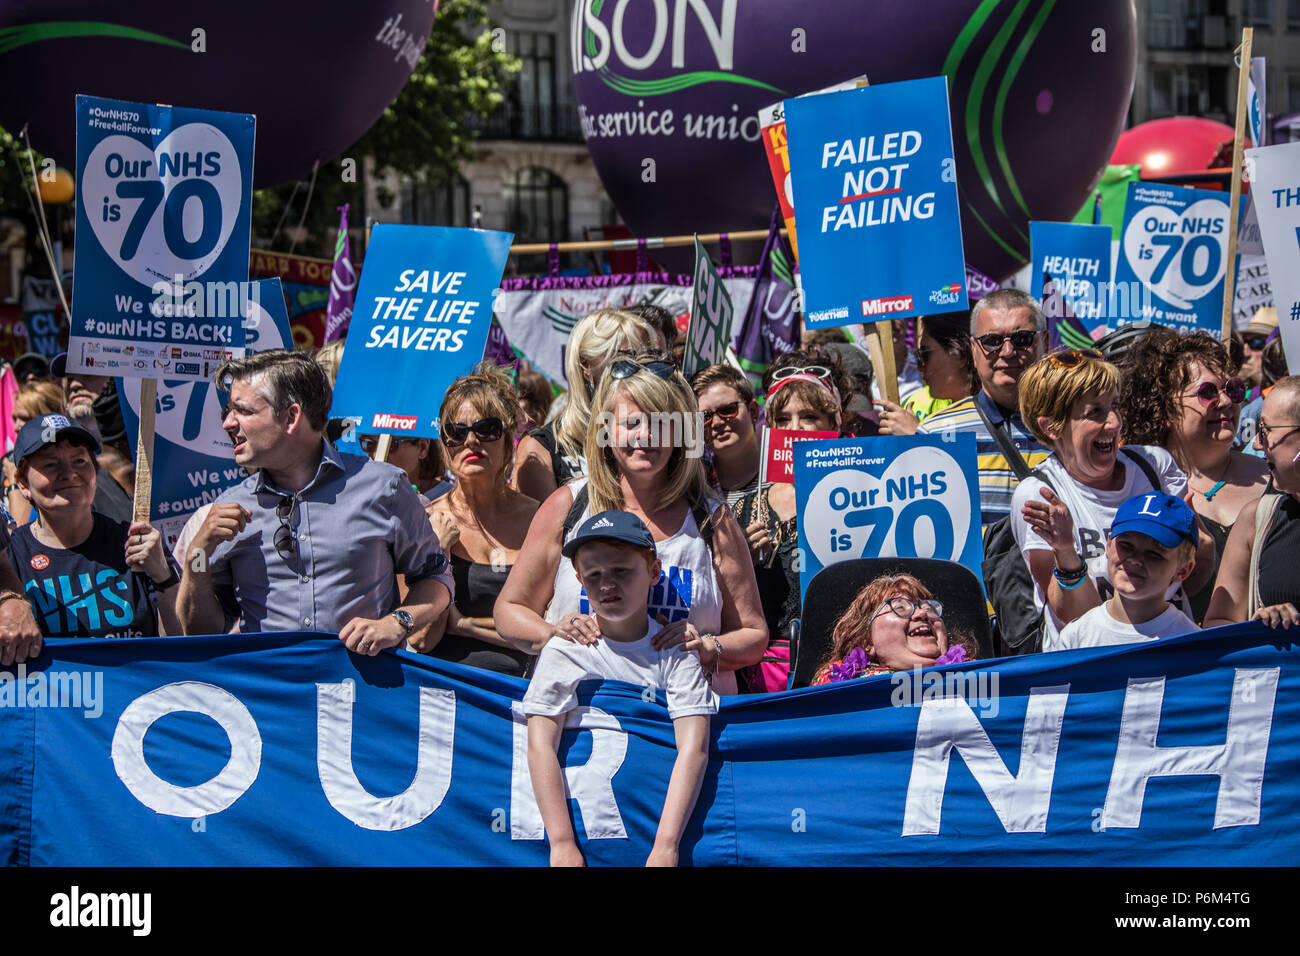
1238	762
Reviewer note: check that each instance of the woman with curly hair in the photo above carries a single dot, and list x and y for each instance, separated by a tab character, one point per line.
1180	391
894	624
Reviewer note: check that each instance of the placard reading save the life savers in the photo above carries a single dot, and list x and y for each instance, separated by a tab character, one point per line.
420	322
875	198
164	209
908	497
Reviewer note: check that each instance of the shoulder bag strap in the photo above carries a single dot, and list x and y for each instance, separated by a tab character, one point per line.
1139	459
1002	436
1264	513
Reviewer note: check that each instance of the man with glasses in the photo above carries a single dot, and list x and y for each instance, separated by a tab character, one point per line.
311	540
1008	334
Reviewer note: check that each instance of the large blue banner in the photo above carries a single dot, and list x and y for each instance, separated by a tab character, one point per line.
164	211
194	461
875	201
914	496
287	750
1172	257
420	322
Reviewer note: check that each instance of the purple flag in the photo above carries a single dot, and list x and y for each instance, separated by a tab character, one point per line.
499	351
771	323
343	284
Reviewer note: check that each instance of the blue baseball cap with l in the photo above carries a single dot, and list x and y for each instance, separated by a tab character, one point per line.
1166	518
610	526
47	430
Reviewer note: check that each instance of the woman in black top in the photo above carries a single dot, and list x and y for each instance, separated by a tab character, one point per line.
481	522
1258	577
84	574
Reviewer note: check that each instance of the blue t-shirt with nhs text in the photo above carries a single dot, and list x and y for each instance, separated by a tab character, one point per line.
86	591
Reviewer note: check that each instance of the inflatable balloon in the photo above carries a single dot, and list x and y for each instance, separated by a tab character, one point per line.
316	76
668	94
1169	147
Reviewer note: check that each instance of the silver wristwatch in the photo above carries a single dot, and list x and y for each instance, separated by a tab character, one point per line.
404	618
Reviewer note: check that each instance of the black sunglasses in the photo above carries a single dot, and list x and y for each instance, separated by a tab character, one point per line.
1254	342
487	429
626	368
286	539
369	443
992	343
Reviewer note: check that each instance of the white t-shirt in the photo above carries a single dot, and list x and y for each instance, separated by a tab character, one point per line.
562	665
1098	628
1093	512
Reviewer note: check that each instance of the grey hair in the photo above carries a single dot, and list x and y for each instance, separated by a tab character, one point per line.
286	377
1004	299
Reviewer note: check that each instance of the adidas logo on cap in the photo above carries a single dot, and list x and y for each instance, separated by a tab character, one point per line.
602	523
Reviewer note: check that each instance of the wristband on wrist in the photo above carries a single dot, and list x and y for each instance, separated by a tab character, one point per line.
170	581
1069	580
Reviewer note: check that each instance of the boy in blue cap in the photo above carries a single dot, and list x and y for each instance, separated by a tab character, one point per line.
1152	546
614	556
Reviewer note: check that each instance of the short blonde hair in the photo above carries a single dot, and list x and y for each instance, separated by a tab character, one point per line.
1049	389
684	476
595	341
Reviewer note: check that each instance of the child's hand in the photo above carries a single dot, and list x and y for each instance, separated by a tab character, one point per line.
579	628
662	856
567	854
1275	614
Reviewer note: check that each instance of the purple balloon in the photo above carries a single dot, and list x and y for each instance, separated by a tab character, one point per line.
1038	94
316	76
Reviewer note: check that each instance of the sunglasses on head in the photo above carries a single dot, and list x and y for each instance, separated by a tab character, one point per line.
816	371
725	413
1207	393
1069	358
487	429
992	343
626	368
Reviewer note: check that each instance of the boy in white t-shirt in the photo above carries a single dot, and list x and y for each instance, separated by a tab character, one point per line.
1152	545
614	556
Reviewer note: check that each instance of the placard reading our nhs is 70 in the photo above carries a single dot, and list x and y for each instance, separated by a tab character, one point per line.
164	208
906	497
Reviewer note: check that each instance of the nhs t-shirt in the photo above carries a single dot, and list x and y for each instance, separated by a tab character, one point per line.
86	591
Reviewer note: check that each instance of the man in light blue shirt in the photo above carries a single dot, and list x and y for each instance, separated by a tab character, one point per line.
312	539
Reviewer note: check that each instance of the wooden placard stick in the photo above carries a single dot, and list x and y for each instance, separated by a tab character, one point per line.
1238	144
880	343
143	500
381	449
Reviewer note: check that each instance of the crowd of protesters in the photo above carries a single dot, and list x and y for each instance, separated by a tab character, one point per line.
457	548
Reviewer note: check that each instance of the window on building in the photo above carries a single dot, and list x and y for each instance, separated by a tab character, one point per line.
1160	93
1293	91
425	204
537	210
533	97
1163	24
1257	13
1293	15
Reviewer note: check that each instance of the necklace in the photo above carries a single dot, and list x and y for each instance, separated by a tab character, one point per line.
1223	480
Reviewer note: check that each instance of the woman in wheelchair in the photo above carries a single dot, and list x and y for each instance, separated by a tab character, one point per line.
893	624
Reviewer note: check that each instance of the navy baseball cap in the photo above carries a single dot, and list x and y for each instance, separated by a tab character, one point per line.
59	365
610	526
1166	518
47	430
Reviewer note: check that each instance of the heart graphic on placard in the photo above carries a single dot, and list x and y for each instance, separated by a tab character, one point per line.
1180	257
167	211
919	507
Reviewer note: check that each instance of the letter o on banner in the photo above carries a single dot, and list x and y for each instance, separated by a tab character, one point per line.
206	798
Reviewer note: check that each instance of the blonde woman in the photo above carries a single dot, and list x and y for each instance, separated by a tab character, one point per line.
549	456
644	453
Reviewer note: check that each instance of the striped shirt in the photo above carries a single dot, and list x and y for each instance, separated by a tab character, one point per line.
997	480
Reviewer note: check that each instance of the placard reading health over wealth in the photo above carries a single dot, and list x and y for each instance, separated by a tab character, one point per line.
875	199
1077	258
1172	257
193	458
906	497
421	321
164	207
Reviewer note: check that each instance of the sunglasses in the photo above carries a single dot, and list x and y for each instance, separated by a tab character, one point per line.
1207	393
725	413
992	343
370	443
816	371
1069	358
1254	342
626	368
487	429
286	539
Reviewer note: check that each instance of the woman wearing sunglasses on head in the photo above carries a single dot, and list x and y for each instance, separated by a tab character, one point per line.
1062	512
1180	392
806	391
894	624
480	522
644	457
549	456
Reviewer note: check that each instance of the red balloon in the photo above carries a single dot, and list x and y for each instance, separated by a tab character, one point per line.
1172	146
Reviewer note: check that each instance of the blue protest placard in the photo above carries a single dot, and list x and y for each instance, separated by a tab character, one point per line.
1172	257
164	209
875	201
420	322
1077	259
908	497
193	459
1275	185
